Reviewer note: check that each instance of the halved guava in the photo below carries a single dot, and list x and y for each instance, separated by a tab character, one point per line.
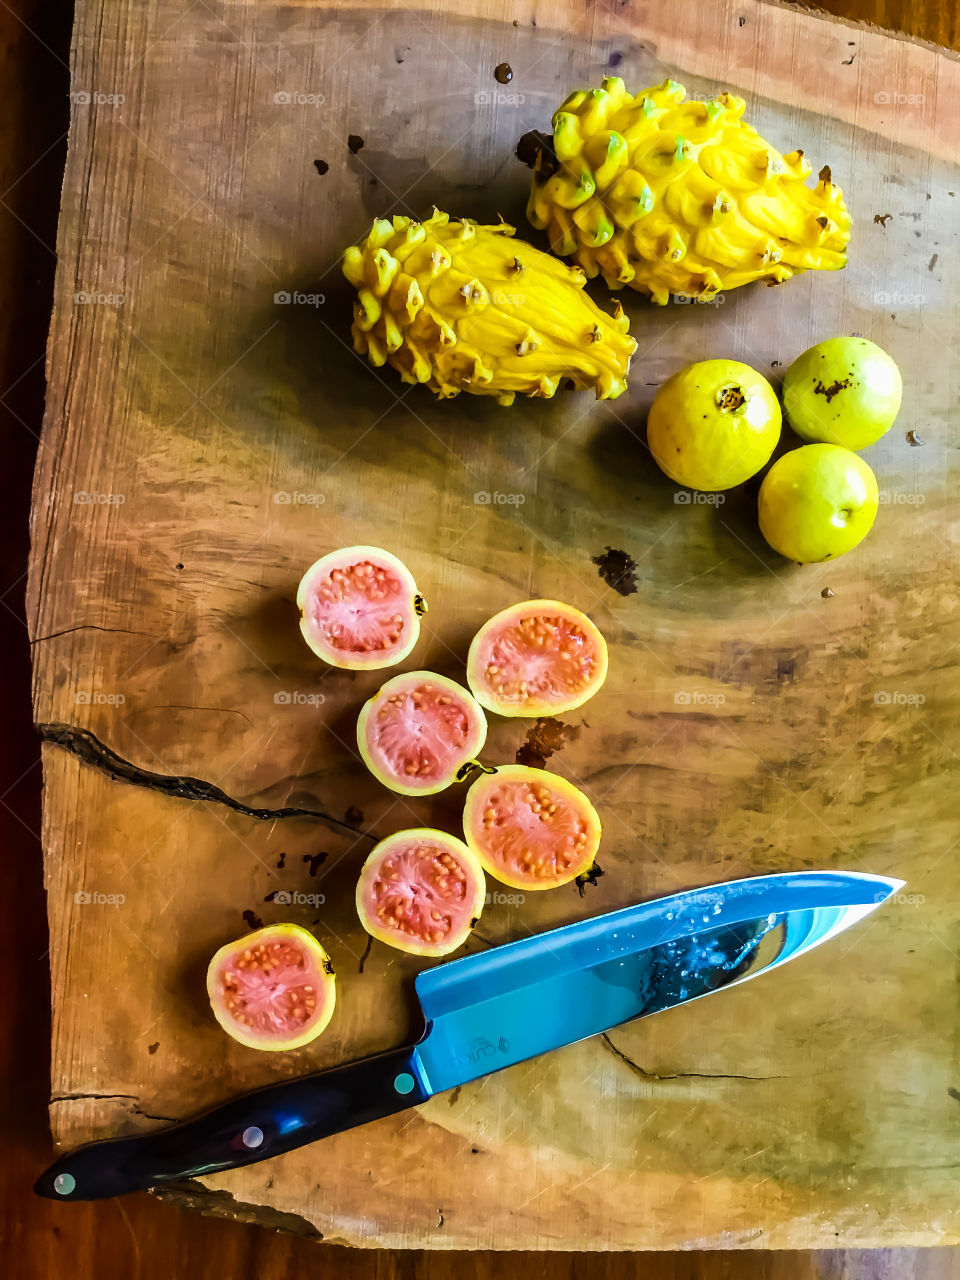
360	608
419	731
422	891
529	828
537	658
273	989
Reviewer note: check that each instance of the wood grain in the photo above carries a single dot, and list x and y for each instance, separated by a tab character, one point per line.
937	21
217	625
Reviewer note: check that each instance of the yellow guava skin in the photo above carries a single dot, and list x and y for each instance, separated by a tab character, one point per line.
817	502
713	425
845	391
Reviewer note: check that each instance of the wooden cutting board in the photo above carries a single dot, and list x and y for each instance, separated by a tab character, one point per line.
204	442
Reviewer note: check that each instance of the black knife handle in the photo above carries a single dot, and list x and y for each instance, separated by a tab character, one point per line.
253	1127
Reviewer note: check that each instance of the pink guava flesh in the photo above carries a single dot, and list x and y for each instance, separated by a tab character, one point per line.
360	608
271	989
419	734
420	890
536	659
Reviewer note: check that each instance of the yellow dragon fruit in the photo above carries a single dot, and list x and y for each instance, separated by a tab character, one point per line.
462	307
668	196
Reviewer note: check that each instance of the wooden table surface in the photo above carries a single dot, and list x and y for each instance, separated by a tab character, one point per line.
139	1236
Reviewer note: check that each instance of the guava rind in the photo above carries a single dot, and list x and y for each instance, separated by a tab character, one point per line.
373	891
497	629
804	493
407	602
319	969
404	684
478	805
713	425
844	391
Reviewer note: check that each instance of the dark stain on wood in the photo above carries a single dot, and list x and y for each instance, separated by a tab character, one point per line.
315	860
355	143
544	737
786	669
882	218
252	920
321	167
618	570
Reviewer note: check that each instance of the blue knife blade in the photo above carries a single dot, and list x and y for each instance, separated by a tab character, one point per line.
517	1001
488	1011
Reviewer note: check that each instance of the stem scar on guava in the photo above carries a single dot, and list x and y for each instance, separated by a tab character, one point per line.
729	399
466	769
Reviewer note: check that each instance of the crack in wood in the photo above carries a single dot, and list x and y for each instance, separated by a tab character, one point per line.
93	626
102	1097
678	1075
183	706
136	1109
86	746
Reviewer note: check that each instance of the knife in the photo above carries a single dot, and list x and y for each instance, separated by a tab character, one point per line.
488	1011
